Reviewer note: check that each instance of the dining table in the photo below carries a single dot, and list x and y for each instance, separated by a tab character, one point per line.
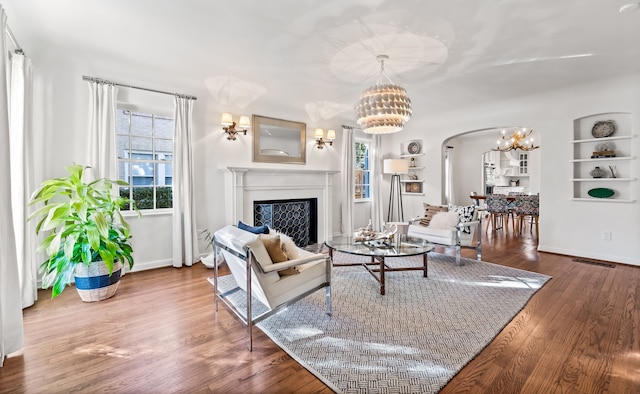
481	197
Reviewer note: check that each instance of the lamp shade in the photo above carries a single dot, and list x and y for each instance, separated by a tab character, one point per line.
244	122
227	119
396	166
331	135
319	133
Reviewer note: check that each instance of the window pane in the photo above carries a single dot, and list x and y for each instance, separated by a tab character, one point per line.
122	121
163	127
164	174
141	124
142	173
143	197
142	145
123	171
123	146
124	192
164	197
163	147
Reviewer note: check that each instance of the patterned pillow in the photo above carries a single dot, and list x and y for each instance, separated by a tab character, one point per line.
429	211
465	212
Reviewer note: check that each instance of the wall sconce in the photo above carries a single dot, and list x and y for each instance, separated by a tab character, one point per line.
229	126
320	142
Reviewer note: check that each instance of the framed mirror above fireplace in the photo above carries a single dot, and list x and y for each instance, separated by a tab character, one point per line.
278	140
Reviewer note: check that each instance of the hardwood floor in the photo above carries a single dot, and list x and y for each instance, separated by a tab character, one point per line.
159	334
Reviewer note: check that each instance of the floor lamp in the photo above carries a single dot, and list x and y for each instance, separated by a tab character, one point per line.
395	167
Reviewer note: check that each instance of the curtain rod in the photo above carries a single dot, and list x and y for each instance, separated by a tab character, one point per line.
99	80
13	40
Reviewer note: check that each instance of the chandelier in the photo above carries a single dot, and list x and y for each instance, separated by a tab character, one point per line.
384	107
519	139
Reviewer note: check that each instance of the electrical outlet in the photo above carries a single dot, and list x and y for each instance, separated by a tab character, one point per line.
606	235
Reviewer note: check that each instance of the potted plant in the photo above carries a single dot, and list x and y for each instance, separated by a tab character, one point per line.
86	234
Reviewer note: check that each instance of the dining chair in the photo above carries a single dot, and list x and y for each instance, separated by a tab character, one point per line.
526	205
498	209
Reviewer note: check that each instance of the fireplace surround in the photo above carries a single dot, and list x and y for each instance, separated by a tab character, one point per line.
244	186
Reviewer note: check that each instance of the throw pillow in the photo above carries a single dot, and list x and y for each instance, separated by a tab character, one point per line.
444	220
466	214
256	230
274	247
289	246
429	211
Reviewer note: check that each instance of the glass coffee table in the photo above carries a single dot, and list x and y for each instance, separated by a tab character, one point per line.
400	246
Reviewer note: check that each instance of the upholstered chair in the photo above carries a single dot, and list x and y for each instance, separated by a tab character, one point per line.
526	206
270	282
498	209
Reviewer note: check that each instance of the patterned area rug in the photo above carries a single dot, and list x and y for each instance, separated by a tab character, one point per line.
414	339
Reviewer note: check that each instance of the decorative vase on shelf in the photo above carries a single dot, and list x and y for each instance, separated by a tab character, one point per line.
597	172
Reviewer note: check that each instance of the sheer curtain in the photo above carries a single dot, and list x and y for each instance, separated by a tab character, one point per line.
102	129
449	189
11	332
185	238
347	180
377	217
22	174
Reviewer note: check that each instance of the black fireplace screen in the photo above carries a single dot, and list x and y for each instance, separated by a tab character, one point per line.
296	218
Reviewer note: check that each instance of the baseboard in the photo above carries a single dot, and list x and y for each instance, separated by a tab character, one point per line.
147	265
596	256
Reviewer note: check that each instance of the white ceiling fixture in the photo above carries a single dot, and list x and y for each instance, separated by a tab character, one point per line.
383	108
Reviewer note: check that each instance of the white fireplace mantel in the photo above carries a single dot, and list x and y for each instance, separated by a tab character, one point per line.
245	185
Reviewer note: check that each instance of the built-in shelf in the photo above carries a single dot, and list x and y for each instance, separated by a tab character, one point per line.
623	164
603	200
604	179
615	158
413	187
621	137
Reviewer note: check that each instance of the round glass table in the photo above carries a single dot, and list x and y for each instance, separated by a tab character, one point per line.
400	246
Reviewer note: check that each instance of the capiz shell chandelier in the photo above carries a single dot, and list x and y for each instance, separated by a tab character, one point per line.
385	107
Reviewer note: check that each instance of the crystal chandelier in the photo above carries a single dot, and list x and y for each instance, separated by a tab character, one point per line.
519	139
384	107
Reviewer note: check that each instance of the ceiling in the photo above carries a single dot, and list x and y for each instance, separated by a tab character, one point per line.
322	53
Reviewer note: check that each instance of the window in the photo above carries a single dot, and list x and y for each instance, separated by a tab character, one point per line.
362	172
145	158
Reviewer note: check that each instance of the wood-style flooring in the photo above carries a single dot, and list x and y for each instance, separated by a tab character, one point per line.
579	334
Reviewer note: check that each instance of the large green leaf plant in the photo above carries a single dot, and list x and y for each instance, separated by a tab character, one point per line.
83	224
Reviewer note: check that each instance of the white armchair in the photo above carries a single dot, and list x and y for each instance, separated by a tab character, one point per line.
255	273
454	236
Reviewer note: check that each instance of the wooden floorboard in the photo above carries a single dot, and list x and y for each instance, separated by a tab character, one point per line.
579	334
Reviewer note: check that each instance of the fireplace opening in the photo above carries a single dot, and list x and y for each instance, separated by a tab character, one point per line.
298	218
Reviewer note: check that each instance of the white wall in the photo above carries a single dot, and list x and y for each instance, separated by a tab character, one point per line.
61	121
566	226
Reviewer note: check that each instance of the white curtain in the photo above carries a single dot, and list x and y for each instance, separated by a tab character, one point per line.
102	130
375	156
11	332
185	238
347	180
449	189
22	174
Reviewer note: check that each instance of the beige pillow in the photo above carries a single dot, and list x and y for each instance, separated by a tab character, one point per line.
444	220
276	253
288	245
429	211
